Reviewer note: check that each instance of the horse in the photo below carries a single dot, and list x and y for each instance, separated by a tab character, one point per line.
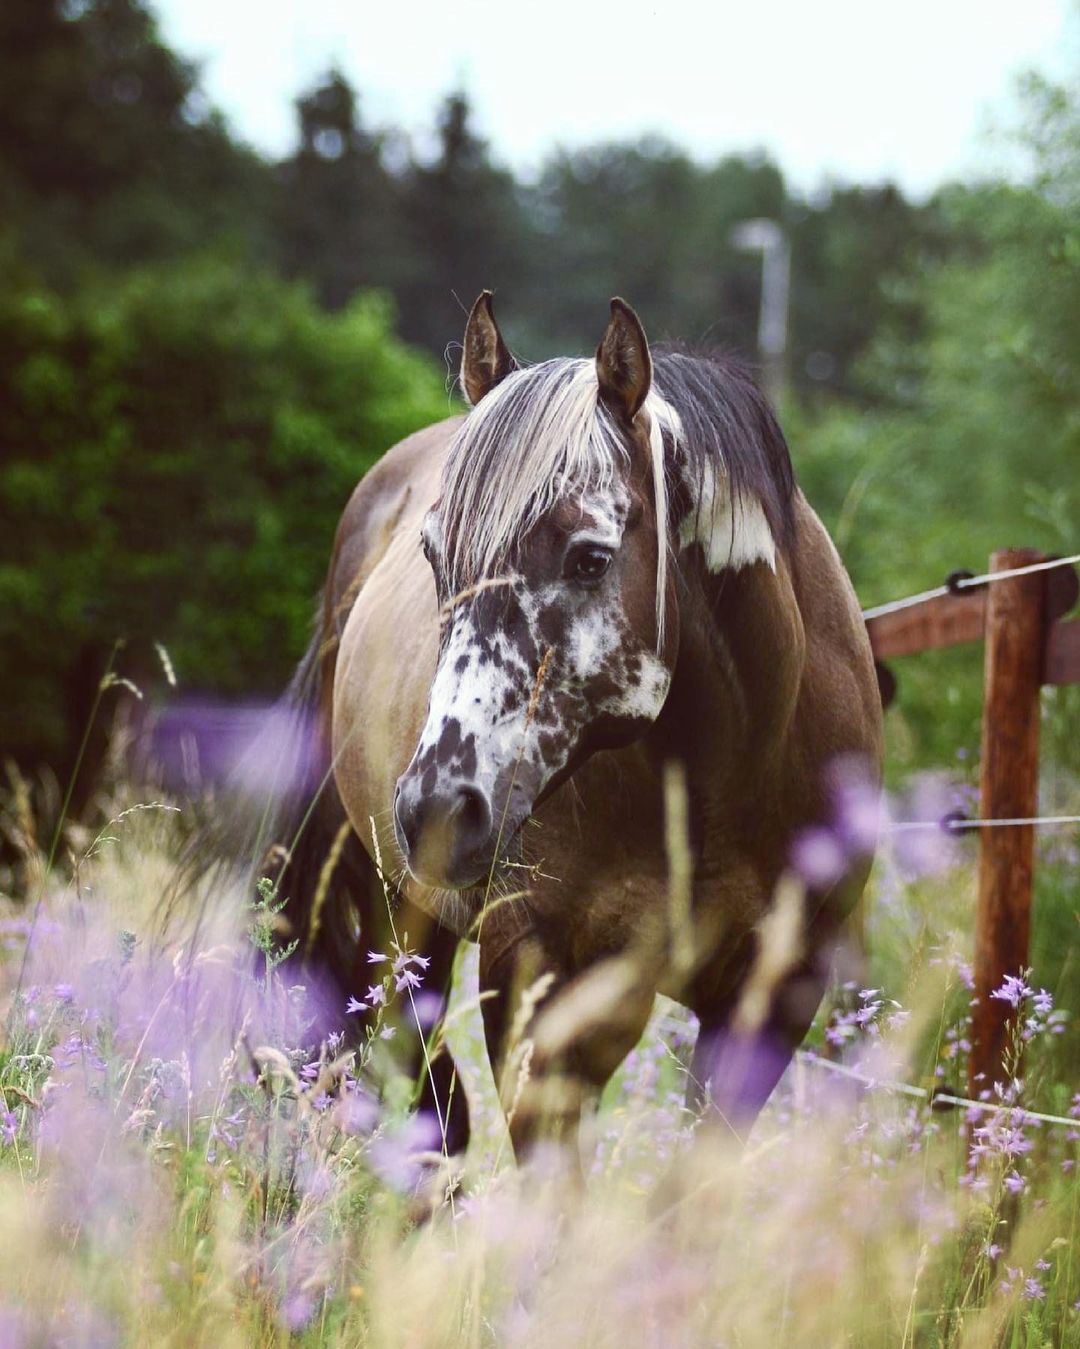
594	601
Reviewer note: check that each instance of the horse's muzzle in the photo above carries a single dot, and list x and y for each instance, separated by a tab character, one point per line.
445	834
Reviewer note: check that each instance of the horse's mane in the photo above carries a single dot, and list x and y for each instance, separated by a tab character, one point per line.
545	431
727	428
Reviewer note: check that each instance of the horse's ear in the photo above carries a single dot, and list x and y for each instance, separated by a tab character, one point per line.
486	360
623	363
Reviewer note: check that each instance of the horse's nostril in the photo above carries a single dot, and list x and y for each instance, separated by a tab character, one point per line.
471	816
444	833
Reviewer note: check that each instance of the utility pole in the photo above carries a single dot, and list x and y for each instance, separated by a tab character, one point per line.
768	238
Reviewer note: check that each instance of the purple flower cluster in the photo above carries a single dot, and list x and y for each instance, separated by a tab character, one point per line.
873	1013
821	855
1029	1286
651	1122
119	1059
1037	1006
924	848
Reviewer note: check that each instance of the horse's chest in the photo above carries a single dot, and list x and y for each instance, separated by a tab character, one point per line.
604	886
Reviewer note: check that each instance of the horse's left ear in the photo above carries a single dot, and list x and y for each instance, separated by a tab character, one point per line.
486	360
623	363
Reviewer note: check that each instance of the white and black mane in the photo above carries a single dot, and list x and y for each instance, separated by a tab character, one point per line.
722	472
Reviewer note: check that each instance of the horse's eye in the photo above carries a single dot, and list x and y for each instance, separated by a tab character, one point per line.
587	565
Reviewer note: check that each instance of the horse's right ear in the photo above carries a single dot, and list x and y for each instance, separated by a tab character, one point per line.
486	360
623	363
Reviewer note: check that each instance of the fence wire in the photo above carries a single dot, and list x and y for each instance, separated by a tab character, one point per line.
813	1060
967	583
951	825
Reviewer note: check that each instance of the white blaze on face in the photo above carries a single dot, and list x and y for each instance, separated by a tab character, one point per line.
479	724
599	642
482	694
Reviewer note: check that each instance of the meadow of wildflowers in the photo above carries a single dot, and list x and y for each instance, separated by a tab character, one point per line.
186	1160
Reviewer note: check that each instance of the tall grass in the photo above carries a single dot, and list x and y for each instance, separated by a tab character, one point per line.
181	1163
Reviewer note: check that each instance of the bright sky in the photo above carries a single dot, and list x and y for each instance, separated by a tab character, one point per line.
856	89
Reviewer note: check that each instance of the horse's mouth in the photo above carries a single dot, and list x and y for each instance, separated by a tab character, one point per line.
480	877
461	907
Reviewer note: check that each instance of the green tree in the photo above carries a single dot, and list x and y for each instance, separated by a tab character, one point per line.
976	442
852	253
644	221
108	151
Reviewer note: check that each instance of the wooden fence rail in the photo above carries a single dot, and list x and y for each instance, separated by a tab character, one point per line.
1027	643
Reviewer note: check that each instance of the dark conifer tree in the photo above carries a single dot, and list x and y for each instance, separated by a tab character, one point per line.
467	229
337	206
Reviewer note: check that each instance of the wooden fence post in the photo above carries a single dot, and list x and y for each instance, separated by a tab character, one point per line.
1009	790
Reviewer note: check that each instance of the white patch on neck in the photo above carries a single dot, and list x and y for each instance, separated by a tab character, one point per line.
732	531
644	697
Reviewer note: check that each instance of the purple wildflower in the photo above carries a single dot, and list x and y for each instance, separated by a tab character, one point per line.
428	1008
354	1005
929	850
999	1136
407	979
857	805
405	958
356	1112
226	1130
1013	990
396	1156
297	1311
818	857
1033	1290
376	996
9	1127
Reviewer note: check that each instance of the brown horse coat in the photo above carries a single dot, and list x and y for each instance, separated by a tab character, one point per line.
772	683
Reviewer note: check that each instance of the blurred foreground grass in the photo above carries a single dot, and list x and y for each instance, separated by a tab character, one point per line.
179	1165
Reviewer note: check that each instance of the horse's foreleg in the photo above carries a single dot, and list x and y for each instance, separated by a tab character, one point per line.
554	1040
516	981
736	1067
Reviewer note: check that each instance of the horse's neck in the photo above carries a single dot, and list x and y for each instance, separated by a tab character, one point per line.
735	689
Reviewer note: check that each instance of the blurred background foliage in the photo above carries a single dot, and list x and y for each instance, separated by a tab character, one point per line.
201	351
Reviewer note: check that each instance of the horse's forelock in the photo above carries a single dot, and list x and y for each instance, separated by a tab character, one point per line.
542	433
538	435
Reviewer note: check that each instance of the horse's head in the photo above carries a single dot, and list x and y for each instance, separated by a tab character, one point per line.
558	621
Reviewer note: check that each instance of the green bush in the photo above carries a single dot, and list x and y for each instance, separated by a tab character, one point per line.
176	453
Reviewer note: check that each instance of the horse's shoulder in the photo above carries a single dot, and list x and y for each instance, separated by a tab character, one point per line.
402	483
403	469
841	704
